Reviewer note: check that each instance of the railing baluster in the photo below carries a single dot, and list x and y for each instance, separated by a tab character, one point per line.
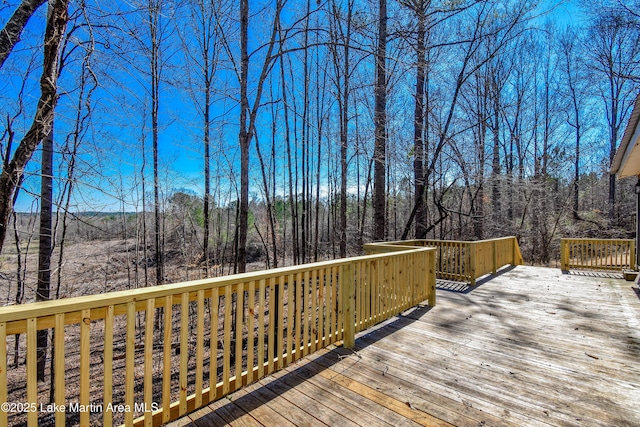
200	348
290	316
408	284
410	276
404	286
279	296
395	268
274	323
306	296
382	291
333	304
314	305
166	358
107	418
85	353
148	361
226	362
276	298
321	308
388	286
360	318
32	366
261	317
58	362
239	328
339	283
388	267
457	259
3	371
213	344
371	307
130	362
299	296
412	266
184	351
375	294
251	306
368	295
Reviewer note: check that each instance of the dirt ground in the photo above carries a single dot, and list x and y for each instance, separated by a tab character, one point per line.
91	268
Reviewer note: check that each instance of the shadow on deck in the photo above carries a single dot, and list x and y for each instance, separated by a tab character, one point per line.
600	274
529	346
465	287
234	410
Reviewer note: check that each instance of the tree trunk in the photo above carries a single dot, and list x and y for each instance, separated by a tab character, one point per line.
207	168
154	22
495	163
10	34
45	243
243	139
418	134
380	119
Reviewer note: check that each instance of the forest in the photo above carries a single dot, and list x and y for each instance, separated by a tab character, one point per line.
149	142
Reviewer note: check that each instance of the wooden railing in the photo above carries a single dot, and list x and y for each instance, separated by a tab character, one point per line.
462	260
148	356
597	254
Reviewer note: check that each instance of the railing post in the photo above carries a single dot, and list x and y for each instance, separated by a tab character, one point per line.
564	255
632	261
348	306
431	277
472	263
495	257
517	255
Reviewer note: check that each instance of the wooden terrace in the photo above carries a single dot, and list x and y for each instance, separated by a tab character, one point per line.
354	341
529	346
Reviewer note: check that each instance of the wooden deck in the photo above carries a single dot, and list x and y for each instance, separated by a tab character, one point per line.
528	347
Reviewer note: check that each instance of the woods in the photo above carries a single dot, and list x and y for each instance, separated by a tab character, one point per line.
208	137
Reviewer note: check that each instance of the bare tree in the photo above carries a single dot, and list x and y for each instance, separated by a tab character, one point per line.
248	116
155	14
41	126
486	26
615	52
574	78
202	46
340	46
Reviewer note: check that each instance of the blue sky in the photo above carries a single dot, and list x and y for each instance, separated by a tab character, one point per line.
118	132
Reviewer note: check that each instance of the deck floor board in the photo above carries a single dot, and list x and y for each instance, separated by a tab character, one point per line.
530	346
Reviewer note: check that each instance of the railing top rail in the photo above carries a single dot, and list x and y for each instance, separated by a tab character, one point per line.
393	247
597	240
407	242
65	305
495	239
